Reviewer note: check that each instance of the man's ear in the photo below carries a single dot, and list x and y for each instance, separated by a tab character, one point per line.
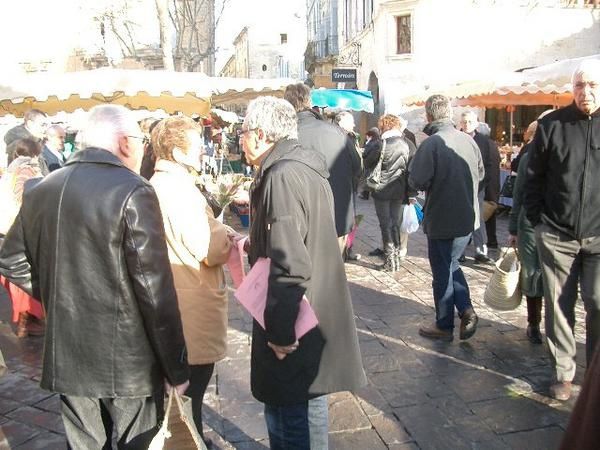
124	147
260	134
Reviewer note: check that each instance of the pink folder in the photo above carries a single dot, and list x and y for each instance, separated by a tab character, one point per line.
235	262
252	294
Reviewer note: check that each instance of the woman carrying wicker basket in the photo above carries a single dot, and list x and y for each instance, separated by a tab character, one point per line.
522	235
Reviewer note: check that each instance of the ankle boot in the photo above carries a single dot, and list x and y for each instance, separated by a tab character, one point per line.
397	247
534	318
390	259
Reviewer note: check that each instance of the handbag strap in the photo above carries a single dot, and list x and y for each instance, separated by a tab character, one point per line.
381	153
164	426
514	248
187	420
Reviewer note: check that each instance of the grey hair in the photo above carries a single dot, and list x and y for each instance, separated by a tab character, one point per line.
105	124
275	116
587	66
466	114
438	107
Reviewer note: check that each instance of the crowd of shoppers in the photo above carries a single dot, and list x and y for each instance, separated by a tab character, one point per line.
151	271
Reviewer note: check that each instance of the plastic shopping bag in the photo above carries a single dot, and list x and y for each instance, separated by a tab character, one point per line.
419	211
410	220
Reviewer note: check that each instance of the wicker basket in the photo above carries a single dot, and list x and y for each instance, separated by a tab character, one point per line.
178	431
503	291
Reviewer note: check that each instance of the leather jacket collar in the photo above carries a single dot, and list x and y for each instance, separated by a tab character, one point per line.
94	155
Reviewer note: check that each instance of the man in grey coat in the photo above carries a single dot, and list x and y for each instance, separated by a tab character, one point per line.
293	225
449	168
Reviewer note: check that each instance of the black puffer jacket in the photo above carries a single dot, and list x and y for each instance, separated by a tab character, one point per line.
397	153
562	176
89	242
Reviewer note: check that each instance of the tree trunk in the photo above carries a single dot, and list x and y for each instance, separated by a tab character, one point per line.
166	45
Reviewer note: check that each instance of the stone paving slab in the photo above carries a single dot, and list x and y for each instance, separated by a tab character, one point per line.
486	393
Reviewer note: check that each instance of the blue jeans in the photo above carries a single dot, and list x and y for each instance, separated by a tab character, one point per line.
450	288
288	427
318	423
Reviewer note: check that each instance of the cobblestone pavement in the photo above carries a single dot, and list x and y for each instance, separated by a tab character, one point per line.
486	393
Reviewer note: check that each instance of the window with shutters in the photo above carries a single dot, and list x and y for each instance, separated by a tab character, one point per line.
403	35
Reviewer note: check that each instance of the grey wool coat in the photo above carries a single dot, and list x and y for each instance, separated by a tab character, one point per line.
293	224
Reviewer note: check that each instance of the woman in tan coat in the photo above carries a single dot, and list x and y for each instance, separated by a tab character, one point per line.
198	247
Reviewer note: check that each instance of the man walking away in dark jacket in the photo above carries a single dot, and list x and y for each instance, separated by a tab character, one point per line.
292	224
343	161
89	242
562	202
448	167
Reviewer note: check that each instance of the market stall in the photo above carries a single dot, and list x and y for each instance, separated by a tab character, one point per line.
346	99
172	92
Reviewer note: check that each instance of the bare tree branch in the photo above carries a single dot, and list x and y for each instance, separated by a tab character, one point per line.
162	10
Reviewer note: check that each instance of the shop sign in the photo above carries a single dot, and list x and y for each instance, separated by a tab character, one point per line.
343	75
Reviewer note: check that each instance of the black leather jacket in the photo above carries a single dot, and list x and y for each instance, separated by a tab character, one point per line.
89	242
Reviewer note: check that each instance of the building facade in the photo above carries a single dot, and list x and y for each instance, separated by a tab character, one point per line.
271	48
400	47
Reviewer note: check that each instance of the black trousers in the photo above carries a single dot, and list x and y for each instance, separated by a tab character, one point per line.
490	227
90	422
199	377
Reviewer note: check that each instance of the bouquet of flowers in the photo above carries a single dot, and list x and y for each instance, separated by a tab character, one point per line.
225	188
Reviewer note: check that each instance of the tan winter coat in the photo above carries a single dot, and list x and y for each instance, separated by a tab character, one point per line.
198	247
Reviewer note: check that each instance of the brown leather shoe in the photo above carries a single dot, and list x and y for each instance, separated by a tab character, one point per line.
29	325
468	324
433	332
561	390
35	326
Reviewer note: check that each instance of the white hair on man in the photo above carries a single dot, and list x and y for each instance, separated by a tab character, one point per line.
105	124
274	116
589	67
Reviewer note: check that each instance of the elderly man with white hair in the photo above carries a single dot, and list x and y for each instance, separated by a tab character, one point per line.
562	201
293	225
469	123
89	242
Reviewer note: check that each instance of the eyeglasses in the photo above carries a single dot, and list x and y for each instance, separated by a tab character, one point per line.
144	139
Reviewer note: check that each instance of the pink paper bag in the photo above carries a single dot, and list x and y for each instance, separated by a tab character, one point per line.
252	294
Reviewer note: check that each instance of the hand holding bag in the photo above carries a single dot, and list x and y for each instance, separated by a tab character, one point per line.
178	430
410	219
503	291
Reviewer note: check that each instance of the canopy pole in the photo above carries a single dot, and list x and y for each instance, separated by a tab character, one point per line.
510	133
